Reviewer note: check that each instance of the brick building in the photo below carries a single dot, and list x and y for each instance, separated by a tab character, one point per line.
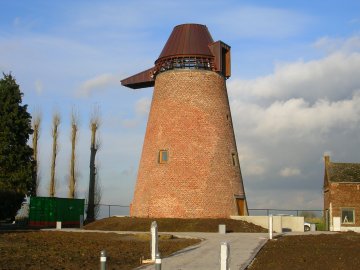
342	195
189	166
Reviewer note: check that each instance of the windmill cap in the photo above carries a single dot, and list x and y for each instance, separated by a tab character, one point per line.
188	40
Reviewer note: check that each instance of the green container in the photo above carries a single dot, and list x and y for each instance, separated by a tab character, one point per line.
46	211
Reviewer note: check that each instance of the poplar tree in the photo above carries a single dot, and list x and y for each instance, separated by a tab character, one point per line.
94	125
55	135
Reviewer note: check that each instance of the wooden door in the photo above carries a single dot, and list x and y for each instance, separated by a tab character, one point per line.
241	206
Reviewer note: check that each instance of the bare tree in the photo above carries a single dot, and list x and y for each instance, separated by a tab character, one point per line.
55	134
72	178
36	122
94	125
98	192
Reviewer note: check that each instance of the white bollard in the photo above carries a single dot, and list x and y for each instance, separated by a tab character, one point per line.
225	256
222	228
157	262
270	227
154	240
58	225
103	260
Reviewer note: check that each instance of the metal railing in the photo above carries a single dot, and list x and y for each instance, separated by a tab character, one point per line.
108	210
287	212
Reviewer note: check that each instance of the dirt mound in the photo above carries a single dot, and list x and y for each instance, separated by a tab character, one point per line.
172	225
324	251
68	250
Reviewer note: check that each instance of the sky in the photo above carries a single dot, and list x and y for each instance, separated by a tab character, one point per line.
294	91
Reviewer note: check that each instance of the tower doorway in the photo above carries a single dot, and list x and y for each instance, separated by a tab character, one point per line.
240	203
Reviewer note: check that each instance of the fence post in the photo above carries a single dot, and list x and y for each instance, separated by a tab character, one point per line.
270	227
103	260
157	261
225	256
109	209
58	225
81	221
222	228
154	240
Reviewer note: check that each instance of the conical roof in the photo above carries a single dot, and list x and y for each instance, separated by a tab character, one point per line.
188	40
189	46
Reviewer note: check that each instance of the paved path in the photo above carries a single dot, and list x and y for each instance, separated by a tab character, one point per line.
206	255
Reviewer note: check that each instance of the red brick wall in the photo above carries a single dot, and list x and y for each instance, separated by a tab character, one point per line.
345	195
190	117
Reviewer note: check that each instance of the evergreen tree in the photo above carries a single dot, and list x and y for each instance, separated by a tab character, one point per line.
16	162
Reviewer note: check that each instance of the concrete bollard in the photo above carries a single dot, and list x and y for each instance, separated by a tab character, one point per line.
225	256
270	227
103	260
222	228
81	221
154	240
58	225
157	261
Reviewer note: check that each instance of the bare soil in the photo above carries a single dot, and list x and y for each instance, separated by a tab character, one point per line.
172	225
325	251
71	250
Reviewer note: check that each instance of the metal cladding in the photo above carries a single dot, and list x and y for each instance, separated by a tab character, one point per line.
190	46
189	165
188	40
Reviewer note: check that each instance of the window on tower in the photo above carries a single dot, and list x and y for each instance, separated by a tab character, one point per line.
163	156
234	159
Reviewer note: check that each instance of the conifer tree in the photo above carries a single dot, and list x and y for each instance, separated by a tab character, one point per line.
16	161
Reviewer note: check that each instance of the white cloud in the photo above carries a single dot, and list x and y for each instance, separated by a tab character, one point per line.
334	77
293	116
142	106
252	162
351	44
98	83
296	117
289	171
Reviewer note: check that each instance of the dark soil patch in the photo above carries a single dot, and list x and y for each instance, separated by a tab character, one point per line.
68	250
172	225
335	251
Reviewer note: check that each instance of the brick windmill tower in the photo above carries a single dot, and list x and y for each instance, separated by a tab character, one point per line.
189	166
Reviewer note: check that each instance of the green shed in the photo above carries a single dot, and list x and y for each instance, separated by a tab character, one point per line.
46	211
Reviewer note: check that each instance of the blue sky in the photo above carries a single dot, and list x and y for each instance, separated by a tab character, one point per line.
294	90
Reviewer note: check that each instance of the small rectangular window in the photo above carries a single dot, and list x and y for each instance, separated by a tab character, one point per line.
163	156
347	216
234	159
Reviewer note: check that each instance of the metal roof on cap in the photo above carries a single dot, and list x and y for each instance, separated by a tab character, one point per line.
189	46
189	40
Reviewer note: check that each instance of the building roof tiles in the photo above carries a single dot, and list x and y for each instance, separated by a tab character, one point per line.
343	172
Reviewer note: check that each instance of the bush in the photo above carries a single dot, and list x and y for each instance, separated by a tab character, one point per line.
10	203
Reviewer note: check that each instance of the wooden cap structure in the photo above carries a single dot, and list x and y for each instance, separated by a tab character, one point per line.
190	46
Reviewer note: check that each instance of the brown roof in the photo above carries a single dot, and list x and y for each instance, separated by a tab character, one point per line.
189	40
186	40
343	172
